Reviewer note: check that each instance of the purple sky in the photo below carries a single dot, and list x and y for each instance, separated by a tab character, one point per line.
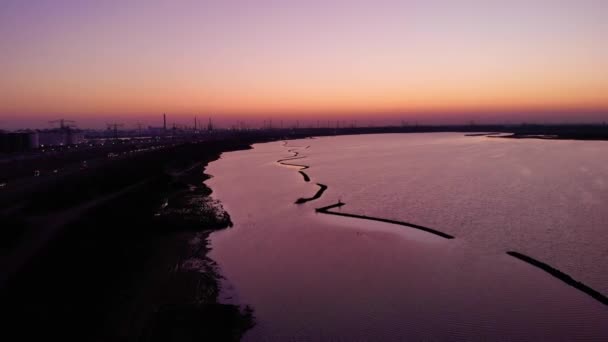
95	61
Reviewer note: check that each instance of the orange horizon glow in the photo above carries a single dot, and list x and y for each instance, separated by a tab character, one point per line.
331	58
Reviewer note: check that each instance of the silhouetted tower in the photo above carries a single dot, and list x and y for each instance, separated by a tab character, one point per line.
62	123
139	126
165	123
114	127
209	126
66	127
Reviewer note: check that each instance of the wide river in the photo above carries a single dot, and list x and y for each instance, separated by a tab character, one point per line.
314	276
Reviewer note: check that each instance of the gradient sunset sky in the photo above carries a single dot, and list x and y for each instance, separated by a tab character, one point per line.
431	61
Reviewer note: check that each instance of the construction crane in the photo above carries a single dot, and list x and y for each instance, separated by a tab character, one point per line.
114	126
63	123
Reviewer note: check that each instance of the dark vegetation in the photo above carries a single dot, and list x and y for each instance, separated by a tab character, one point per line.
122	253
21	164
524	130
118	251
568	132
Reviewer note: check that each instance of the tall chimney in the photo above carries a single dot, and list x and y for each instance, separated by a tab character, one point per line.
165	122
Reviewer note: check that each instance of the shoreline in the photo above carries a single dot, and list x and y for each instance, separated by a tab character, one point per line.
115	271
132	268
548	137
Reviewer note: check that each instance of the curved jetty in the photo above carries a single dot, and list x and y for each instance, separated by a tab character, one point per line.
281	161
561	276
329	210
295	157
304	167
326	210
322	188
306	178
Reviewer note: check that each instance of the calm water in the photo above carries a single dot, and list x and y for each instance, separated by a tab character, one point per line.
322	277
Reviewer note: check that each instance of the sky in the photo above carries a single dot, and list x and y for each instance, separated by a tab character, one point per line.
429	61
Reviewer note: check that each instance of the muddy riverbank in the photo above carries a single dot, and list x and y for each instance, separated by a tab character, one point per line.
124	254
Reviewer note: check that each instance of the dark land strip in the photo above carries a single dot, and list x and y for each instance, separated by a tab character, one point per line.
482	134
303	167
280	161
305	175
12	166
561	276
295	157
322	188
523	130
110	273
326	210
543	266
114	265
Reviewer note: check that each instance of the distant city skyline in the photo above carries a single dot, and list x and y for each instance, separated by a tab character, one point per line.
133	122
372	61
